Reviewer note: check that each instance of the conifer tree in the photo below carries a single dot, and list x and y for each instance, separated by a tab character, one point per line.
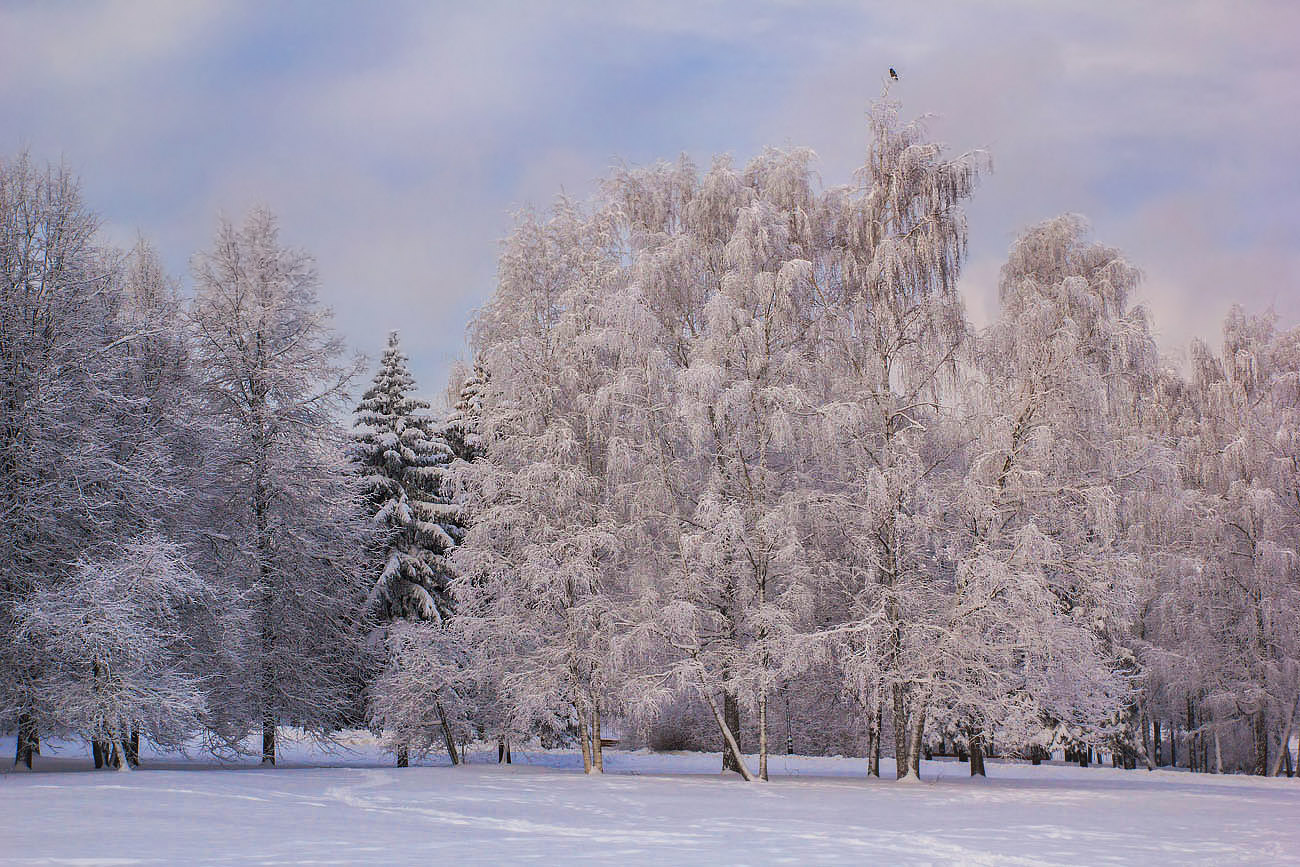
461	429
402	459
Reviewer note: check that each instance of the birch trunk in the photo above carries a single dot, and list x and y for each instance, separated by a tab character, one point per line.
728	738
597	751
585	737
874	732
446	733
1284	746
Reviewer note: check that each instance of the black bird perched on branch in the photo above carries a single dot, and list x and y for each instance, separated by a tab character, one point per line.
893	73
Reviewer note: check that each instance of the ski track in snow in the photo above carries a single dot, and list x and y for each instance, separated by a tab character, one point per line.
349	808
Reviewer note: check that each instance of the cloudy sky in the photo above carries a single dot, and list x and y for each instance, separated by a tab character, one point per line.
395	139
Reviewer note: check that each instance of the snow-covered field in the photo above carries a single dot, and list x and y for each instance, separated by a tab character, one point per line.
349	807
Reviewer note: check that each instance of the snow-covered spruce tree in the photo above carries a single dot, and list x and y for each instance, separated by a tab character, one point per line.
461	429
113	640
403	462
289	526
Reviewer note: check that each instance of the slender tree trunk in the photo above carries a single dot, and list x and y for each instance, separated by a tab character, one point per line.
731	712
900	731
447	733
1284	745
728	737
1218	752
597	750
133	747
874	731
789	729
403	756
508	759
1261	743
762	733
584	735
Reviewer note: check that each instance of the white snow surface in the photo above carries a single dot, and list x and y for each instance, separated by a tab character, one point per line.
349	806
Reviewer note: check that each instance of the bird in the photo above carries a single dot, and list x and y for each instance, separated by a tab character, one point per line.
893	73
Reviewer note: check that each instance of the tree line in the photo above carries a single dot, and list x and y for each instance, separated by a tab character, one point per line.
730	468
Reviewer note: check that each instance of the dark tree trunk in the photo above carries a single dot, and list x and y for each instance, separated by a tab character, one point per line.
977	756
97	752
900	732
501	751
268	740
28	742
403	756
731	713
1157	747
876	731
133	747
446	734
1261	744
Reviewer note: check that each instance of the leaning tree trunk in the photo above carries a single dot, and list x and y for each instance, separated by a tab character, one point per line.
446	733
1284	746
728	738
731	713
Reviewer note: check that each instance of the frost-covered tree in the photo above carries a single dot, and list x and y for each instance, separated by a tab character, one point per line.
1057	442
274	384
461	429
82	465
114	640
542	566
891	339
1228	614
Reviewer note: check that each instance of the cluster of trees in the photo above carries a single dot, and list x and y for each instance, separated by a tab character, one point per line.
748	473
731	467
182	538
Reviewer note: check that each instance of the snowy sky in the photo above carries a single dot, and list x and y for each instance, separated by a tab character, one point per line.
394	139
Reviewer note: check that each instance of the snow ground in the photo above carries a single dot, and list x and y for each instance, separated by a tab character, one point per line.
351	807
